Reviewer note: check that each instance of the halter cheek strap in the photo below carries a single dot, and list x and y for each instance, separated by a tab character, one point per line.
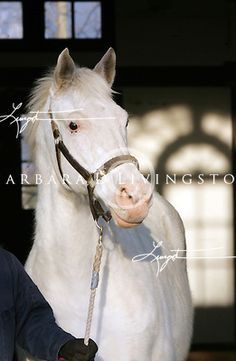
91	178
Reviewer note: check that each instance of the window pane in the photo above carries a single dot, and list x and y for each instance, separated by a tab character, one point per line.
11	24
88	20
58	20
29	188
205	157
208	217
29	196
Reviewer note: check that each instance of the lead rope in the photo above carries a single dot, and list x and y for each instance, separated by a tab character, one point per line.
94	284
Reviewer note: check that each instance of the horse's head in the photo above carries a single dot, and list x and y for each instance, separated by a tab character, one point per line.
93	128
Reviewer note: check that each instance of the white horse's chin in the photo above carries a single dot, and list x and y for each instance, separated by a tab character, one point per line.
121	222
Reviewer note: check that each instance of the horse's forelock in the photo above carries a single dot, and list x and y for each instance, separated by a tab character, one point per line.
86	81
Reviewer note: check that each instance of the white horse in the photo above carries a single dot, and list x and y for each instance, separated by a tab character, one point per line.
138	315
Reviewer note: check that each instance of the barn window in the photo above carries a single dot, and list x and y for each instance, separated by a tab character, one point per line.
11	20
187	132
79	20
47	25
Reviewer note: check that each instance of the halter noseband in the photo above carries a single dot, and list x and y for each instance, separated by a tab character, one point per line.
91	178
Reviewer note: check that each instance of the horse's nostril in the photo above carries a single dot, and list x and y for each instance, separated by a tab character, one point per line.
125	192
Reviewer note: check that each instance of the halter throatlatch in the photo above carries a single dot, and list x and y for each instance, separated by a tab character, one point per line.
91	178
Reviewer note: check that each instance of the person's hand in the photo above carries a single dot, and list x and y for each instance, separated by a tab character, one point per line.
76	350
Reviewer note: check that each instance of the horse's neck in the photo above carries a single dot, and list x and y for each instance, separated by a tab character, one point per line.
64	224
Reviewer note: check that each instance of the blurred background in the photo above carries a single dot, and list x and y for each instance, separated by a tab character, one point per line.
176	66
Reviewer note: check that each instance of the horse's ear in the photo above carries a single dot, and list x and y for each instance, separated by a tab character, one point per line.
65	68
106	67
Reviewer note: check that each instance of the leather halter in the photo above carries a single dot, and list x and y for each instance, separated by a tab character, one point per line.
91	178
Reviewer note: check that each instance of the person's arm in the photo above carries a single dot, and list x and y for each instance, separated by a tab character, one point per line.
36	330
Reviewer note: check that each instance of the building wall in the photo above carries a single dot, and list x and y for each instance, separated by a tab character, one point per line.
176	32
157	33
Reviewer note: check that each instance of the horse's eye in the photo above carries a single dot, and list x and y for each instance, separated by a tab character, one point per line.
127	123
73	126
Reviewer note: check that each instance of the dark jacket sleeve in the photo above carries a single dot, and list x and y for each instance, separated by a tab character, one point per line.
36	330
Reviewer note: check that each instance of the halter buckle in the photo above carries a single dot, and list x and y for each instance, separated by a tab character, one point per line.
91	181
